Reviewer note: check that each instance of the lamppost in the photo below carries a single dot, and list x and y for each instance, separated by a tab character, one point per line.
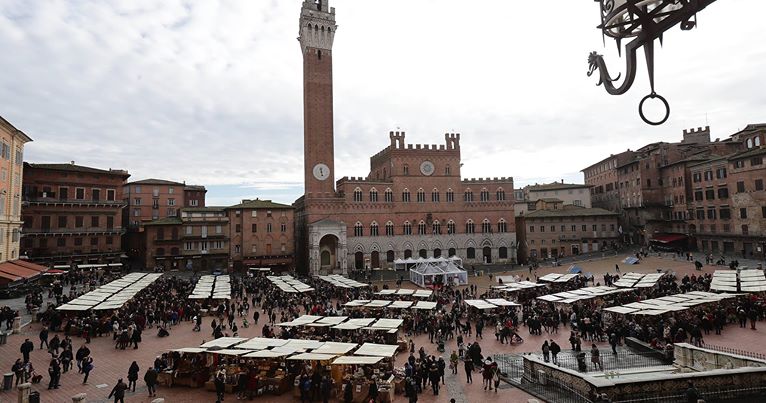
644	21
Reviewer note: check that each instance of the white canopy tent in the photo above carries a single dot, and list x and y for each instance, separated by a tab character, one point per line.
428	272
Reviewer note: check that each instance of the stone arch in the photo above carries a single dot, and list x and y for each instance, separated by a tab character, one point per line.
375	247
452	244
423	245
407	245
359	248
486	242
437	245
470	243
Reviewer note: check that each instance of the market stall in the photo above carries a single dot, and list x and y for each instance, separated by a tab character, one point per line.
437	272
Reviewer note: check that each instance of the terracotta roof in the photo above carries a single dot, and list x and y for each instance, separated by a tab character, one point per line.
570	212
195	187
164	221
154	182
30	265
260	204
78	168
204	209
555	186
16	270
748	154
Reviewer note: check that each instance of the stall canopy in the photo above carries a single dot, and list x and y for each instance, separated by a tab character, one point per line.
432	271
638	280
312	357
480	304
215	287
673	303
516	286
356	360
738	281
630	260
112	295
289	284
223	342
377	350
558	278
342	282
569	297
409	263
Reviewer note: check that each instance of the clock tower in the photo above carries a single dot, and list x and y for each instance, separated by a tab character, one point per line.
317	31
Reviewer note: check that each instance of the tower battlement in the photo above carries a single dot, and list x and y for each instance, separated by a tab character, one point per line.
502	179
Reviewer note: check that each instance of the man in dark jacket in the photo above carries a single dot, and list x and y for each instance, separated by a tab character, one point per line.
81	354
26	347
119	391
555	350
150	377
348	392
54	371
44	338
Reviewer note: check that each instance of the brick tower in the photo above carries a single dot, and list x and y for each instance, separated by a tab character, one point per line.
317	31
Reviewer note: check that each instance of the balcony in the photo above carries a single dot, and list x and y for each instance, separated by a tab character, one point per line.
72	231
52	201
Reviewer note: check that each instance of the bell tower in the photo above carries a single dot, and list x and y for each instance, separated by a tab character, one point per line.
317	31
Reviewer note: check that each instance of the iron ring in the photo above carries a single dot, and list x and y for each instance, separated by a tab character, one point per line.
654	95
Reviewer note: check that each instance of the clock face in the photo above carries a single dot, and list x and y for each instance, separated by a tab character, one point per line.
427	168
321	171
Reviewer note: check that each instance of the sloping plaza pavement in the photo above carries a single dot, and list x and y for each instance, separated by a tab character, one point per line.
112	364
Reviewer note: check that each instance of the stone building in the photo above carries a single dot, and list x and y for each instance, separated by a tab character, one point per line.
12	142
262	235
149	200
554	230
413	202
72	213
575	194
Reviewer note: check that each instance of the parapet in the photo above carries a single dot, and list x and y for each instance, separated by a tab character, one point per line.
502	179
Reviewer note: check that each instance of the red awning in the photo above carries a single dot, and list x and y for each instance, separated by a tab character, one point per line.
19	271
669	238
30	265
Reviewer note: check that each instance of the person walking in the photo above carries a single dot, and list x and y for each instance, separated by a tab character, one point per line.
595	358
133	376
44	338
220	387
453	361
54	371
82	353
26	348
18	370
150	377
617	268
118	391
468	365
555	350
546	351
613	342
87	366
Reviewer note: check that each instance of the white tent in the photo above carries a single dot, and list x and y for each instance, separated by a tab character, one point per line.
438	271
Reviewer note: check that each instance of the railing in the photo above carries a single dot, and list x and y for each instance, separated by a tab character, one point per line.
39	231
73	201
755	394
610	362
736	351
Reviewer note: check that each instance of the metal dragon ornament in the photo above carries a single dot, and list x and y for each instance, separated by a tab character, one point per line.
644	21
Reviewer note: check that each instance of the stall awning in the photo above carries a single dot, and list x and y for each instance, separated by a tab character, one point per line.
312	357
668	238
335	348
377	350
223	342
357	360
190	350
266	354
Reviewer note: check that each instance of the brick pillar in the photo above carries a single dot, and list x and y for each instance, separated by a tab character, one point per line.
17	325
78	398
24	390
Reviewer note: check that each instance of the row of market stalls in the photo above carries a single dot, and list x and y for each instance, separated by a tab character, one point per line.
508	284
212	287
558	277
274	364
112	295
638	280
404	292
342	282
580	294
411	263
738	281
672	303
436	272
380	304
490	303
289	284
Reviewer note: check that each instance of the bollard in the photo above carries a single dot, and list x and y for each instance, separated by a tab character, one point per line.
78	398
24	390
17	325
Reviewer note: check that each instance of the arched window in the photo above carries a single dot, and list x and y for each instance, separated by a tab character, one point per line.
502	253
358	229
502	226
486	227
407	253
357	194
500	194
374	229
423	253
436	227
437	252
422	227
470	253
435	195
749	143
388	195
421	196
470	228
389	229
406	195
374	195
450	227
484	195
407	228
446	170
468	195
390	256
451	252
757	141
450	196
406	169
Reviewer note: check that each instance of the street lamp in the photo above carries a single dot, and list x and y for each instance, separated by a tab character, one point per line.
642	21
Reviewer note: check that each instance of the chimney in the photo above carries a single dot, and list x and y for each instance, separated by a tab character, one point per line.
71	162
562	181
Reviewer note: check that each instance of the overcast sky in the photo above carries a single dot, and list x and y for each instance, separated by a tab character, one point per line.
210	92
